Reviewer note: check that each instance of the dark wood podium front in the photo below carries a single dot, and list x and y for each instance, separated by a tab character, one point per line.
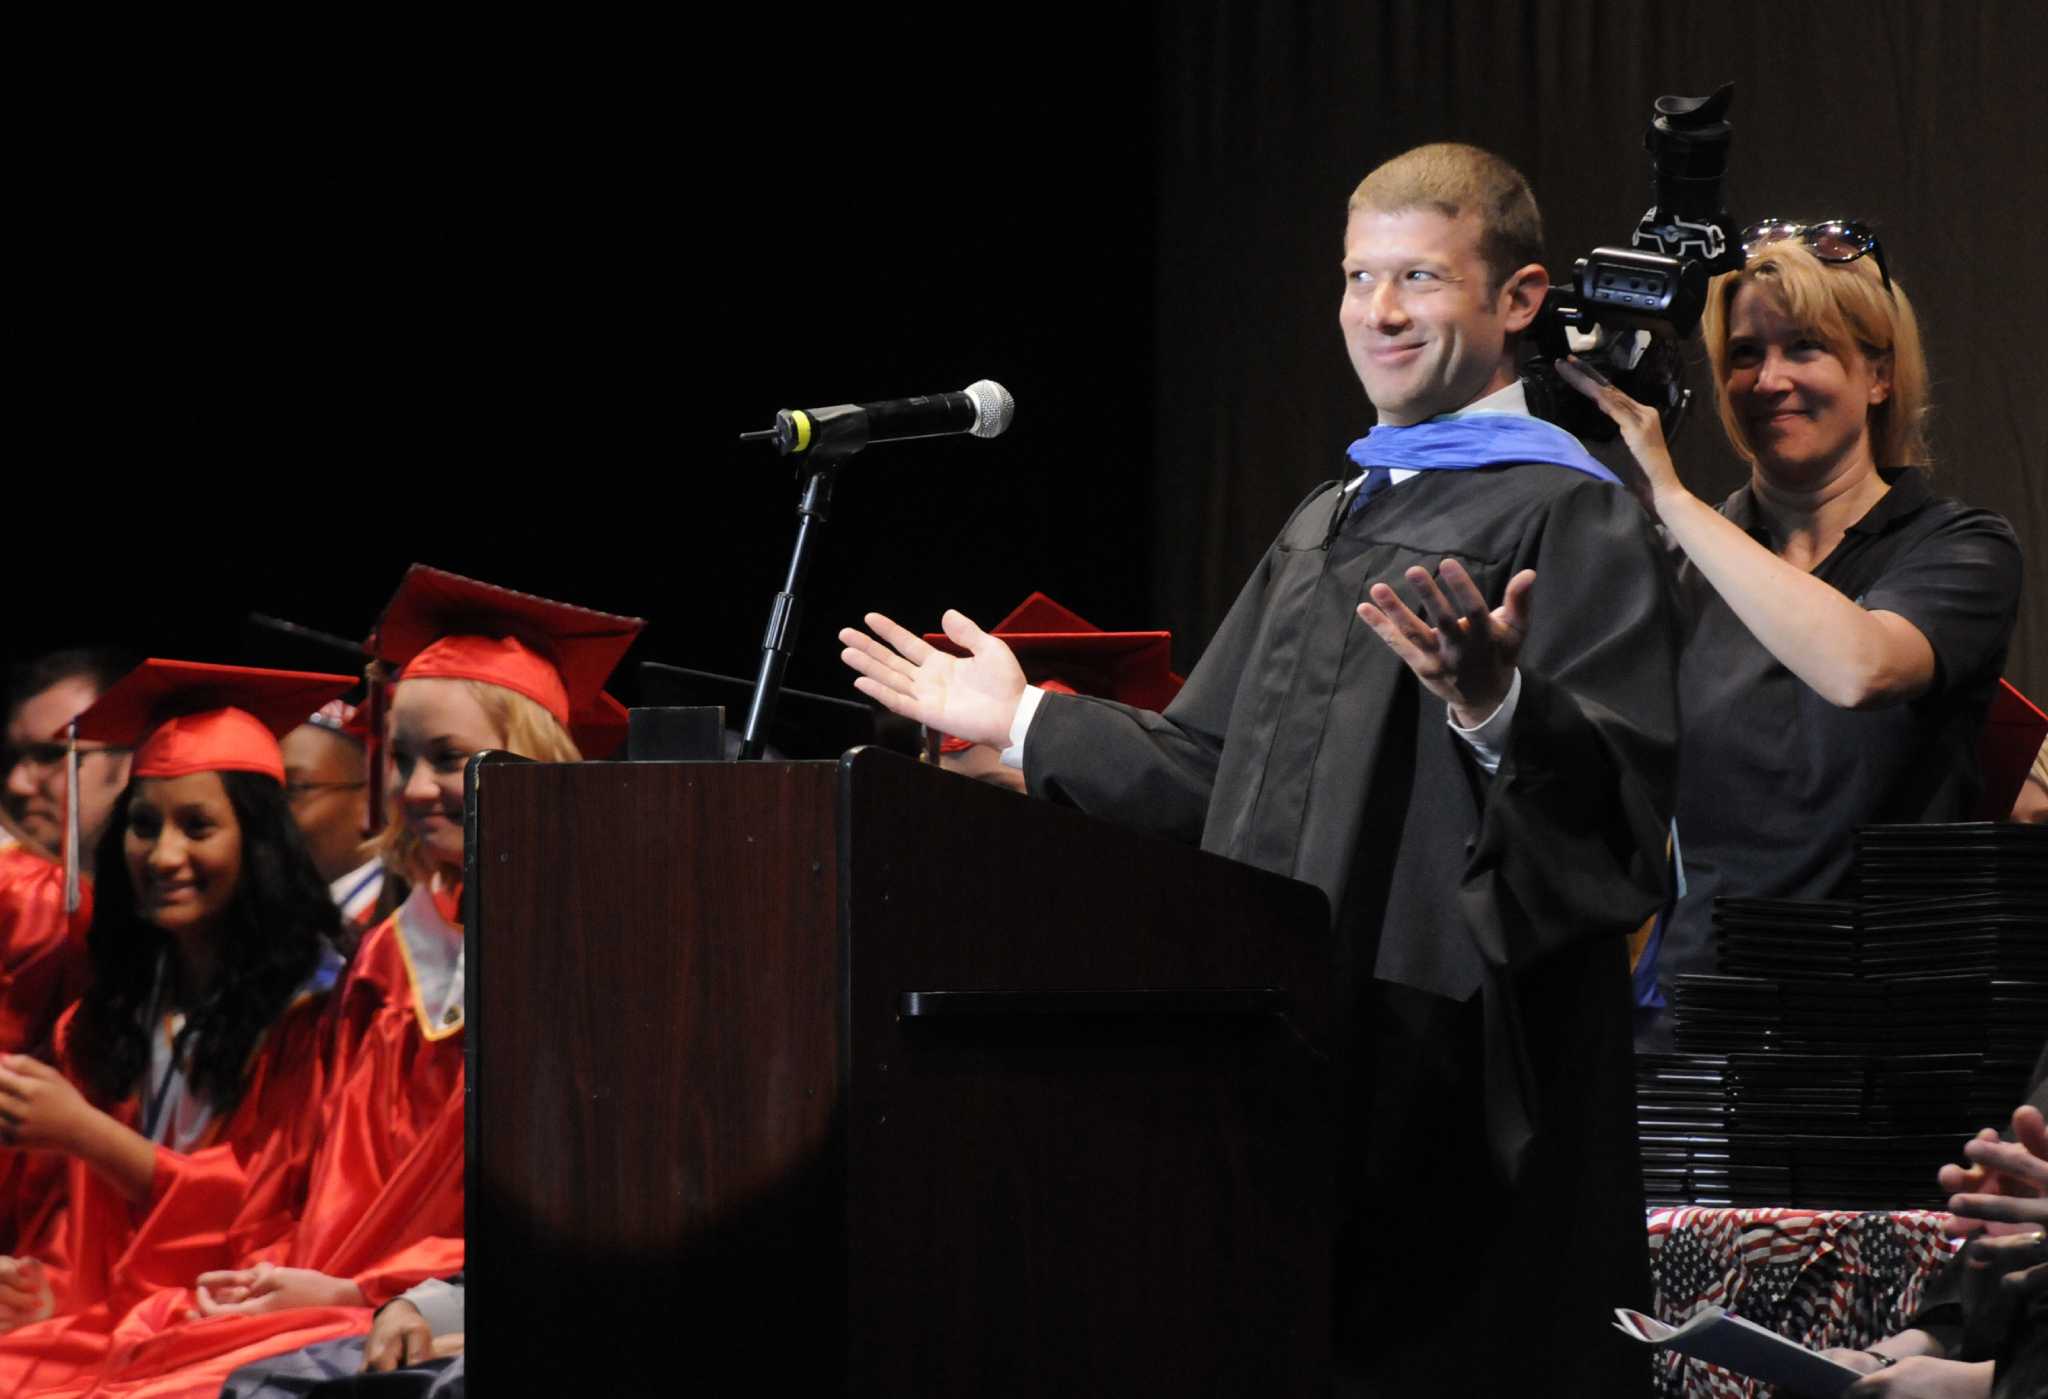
868	1077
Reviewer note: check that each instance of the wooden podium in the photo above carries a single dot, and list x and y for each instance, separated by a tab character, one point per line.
868	1077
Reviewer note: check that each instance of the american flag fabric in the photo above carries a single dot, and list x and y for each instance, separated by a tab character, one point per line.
1820	1277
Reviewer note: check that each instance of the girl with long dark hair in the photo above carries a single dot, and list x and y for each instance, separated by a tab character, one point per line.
196	1043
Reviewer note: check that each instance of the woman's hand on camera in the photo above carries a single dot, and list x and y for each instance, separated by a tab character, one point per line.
1642	431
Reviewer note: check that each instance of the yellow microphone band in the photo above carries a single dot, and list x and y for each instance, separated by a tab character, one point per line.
803	428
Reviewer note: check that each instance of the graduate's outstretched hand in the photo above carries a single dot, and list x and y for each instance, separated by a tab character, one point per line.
398	1337
40	1109
1468	659
972	697
269	1288
25	1293
1642	431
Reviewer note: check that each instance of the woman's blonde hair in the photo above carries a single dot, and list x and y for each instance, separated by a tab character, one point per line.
1845	306
527	730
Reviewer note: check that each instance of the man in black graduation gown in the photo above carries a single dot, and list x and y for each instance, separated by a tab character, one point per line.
1479	775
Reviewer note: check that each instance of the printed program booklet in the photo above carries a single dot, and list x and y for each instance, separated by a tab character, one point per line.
1744	1347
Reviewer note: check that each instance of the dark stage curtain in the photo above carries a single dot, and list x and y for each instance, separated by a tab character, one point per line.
1134	222
1922	118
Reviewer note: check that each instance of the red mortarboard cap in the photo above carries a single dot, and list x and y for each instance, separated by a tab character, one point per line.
1053	643
183	717
600	730
440	625
2014	730
351	721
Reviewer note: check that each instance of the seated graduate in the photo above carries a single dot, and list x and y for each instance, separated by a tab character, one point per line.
483	668
327	782
43	696
197	1038
42	926
1846	626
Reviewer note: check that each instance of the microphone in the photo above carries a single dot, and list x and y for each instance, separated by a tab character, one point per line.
984	408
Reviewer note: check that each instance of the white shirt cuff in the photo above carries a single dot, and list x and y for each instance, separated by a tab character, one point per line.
439	1303
1488	739
1020	724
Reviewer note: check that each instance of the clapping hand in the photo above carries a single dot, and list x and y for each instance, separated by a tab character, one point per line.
2003	1192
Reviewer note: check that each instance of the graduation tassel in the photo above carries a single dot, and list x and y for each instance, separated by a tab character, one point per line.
376	694
71	817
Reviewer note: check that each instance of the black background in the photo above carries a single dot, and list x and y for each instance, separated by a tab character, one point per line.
298	309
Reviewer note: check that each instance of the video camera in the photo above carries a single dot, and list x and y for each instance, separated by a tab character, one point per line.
1627	311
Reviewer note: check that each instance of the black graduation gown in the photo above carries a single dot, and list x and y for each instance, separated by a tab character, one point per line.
1490	1187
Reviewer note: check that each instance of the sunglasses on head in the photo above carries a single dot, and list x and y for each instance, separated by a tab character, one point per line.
1832	240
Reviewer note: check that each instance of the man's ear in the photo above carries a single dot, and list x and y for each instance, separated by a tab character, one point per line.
1521	296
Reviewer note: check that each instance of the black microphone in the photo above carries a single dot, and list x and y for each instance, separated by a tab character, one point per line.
983	408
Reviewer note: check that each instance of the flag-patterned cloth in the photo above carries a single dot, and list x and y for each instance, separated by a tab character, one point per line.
1820	1277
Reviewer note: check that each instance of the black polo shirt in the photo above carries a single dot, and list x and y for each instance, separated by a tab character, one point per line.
1774	780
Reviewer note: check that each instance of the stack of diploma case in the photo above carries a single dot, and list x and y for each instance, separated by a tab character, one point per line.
1846	1048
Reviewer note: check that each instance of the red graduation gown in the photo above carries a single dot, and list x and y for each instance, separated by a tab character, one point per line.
42	948
111	1254
384	1207
383	1202
42	970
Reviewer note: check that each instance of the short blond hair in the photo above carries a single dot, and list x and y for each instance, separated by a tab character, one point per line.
526	729
1843	305
1454	179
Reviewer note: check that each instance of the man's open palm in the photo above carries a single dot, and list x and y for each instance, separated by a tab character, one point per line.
1462	651
972	697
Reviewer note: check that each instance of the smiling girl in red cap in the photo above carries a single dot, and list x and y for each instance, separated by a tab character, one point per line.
196	1043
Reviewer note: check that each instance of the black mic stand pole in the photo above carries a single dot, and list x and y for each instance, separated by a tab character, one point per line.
836	442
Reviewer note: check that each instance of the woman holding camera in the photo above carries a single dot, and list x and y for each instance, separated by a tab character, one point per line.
1847	626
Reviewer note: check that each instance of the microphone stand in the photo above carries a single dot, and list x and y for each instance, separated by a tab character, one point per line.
836	441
